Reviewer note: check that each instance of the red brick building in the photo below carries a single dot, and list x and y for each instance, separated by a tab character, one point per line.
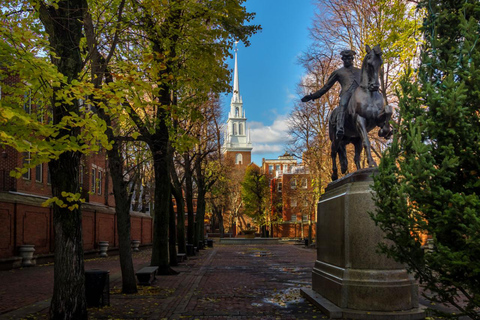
292	200
23	219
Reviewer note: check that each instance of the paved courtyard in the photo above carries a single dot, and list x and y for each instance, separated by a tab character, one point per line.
224	282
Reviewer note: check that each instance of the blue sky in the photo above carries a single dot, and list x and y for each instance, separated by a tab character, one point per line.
269	71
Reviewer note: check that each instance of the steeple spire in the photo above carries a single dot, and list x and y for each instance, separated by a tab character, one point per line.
236	89
237	138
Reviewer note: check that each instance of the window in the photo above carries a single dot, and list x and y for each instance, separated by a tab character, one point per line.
238	158
237	112
80	177
27	102
293	218
49	176
294	203
305	217
270	168
26	162
100	175
277	167
234	128
279	187
293	183
93	176
304	183
240	128
39	173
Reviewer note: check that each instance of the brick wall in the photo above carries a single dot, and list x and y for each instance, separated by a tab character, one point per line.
24	221
8	161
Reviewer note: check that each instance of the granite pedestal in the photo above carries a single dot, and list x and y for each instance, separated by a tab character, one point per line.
350	279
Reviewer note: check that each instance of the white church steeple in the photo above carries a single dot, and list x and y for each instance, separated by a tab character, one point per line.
237	137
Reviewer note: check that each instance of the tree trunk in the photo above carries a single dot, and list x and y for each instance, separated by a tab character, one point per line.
221	229
68	301
189	200
115	162
172	236
64	28
201	205
122	210
160	147
200	217
177	193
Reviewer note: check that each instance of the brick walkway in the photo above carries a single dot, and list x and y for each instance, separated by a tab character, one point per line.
226	282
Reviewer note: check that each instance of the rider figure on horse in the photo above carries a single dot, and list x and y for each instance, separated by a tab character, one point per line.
349	78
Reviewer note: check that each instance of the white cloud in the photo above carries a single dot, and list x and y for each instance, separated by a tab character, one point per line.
269	139
267	148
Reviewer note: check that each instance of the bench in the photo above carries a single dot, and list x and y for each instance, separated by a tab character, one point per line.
146	275
181	257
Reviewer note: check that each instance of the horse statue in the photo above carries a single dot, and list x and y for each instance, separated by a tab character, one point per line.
365	111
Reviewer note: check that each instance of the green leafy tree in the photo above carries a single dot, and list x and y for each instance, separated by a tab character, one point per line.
255	192
428	181
182	53
41	114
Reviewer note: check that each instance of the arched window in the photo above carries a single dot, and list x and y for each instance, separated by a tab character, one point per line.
234	128
240	129
237	112
238	158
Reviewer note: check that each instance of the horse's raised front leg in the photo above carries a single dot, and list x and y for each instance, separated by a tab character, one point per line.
361	124
386	130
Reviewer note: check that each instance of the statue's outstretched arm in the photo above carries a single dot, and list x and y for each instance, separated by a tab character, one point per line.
330	82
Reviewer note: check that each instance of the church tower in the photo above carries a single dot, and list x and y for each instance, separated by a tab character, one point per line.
237	145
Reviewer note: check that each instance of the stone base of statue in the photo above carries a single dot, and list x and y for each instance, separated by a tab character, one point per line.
350	279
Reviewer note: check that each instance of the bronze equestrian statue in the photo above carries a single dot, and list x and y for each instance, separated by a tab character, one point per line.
361	108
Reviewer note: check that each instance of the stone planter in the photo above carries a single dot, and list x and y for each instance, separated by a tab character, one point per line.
26	252
103	248
135	245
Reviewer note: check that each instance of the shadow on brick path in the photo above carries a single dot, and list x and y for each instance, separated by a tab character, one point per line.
224	282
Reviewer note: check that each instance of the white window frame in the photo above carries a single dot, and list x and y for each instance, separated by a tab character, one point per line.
99	181
27	101
304	183
238	158
93	175
293	203
81	173
293	218
41	172
26	159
